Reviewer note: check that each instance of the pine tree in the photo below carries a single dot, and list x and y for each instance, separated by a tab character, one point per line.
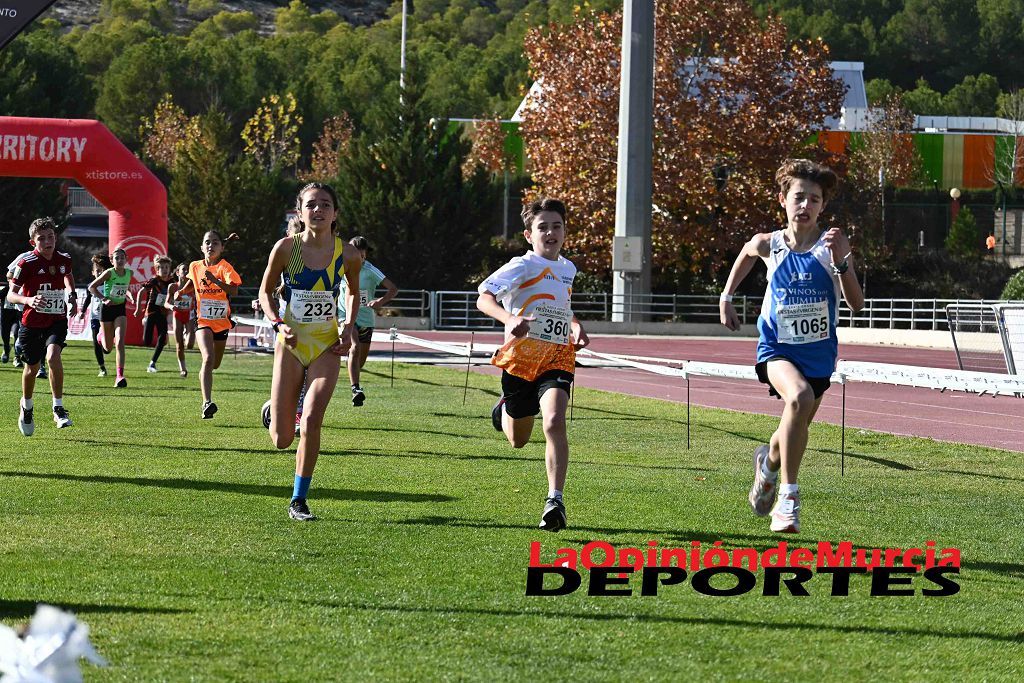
401	186
964	238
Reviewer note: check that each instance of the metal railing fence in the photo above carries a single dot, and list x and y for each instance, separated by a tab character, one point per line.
456	310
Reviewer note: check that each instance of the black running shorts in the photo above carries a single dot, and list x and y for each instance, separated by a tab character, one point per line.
111	313
522	397
365	334
34	341
819	385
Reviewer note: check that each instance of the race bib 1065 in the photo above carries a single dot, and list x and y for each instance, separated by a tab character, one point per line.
802	323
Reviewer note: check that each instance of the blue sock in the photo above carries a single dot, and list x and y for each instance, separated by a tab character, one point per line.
301	487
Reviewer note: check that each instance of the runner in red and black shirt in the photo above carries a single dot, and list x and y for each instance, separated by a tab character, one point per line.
46	288
156	312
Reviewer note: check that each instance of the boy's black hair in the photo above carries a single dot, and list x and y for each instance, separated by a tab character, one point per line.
360	243
531	210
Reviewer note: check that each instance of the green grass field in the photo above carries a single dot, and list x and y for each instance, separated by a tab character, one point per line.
168	535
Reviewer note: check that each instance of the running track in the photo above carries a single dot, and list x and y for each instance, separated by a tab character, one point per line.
950	416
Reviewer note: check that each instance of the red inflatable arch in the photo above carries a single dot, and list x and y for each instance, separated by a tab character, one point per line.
89	153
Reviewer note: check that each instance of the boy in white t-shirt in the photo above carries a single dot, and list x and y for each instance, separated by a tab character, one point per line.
530	295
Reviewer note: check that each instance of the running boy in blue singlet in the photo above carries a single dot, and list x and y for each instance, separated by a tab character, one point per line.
808	269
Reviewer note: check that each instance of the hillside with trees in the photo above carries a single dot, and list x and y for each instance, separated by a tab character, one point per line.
235	104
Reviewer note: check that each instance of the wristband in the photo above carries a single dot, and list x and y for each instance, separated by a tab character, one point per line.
72	294
725	297
275	323
841	268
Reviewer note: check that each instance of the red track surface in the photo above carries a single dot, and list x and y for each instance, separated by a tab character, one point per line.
950	416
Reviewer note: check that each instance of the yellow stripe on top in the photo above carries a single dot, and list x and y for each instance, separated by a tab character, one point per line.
295	264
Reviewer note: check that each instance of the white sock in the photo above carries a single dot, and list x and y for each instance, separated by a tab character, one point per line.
58	402
773	475
26	403
788	489
554	493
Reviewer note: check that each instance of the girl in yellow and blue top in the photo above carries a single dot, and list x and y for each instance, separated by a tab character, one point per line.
312	264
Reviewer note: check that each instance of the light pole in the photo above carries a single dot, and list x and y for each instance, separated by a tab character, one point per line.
954	194
401	65
631	269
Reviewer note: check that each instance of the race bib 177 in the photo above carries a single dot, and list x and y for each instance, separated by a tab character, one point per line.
213	309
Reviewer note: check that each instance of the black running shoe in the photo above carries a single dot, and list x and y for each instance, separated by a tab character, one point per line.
266	414
553	518
358	397
496	413
121	383
61	417
41	373
299	511
209	408
25	423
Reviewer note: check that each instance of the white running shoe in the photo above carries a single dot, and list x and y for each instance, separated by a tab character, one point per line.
61	417
786	514
151	368
762	493
103	372
25	423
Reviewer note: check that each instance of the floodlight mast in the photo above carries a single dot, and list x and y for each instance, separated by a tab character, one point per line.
401	64
631	265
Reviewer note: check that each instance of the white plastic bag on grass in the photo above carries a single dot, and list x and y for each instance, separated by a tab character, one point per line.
49	653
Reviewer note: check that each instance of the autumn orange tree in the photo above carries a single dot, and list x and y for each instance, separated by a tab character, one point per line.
333	141
489	151
733	97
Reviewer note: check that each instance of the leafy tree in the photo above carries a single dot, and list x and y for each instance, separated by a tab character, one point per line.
974	96
271	135
214	188
1014	289
157	13
401	186
296	18
878	90
334	141
924	101
167	132
1000	36
964	239
99	45
136	82
733	97
39	76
